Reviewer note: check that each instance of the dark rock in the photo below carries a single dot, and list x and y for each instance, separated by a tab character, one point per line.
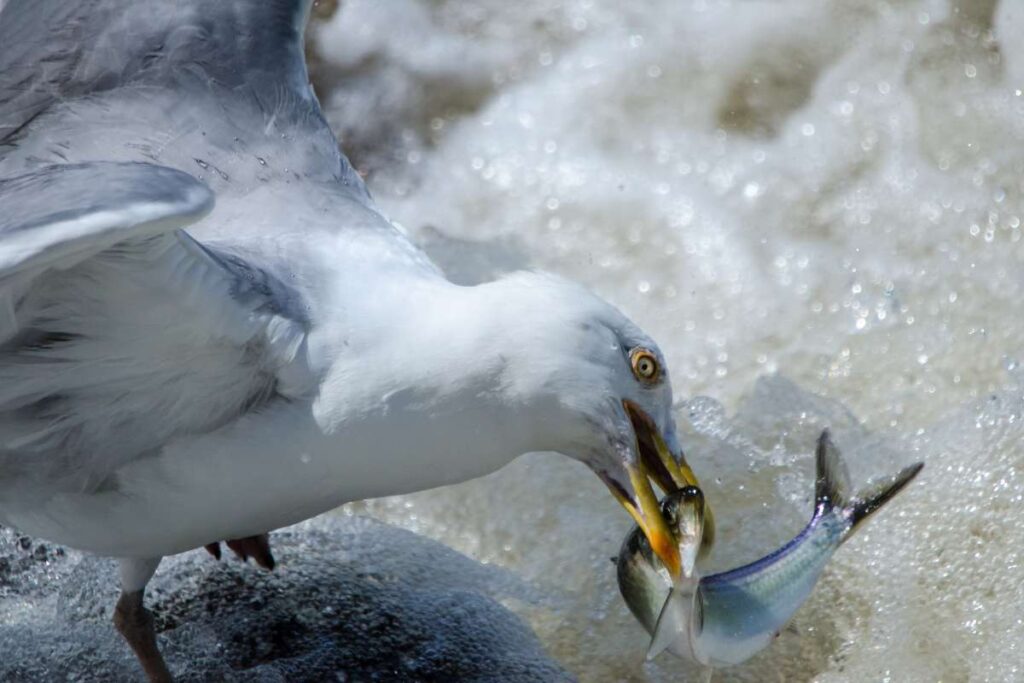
352	600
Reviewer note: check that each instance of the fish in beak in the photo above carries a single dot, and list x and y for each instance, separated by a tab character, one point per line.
726	618
658	463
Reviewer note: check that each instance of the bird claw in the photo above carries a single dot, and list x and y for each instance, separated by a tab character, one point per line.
256	547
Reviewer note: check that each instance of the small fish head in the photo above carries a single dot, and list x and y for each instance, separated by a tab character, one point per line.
684	512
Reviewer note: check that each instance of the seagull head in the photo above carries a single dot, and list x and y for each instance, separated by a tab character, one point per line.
604	389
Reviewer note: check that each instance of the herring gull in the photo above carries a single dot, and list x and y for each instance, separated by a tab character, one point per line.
209	331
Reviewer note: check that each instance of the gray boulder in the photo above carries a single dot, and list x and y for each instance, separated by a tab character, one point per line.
352	599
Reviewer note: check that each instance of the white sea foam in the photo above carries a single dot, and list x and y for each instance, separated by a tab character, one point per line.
815	208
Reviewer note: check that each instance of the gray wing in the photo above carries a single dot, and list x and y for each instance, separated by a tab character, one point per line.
176	83
60	215
119	331
59	49
122	331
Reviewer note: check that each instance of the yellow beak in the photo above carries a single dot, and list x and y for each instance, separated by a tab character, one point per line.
670	473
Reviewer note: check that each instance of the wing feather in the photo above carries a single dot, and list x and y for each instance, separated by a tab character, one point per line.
60	215
125	331
177	83
53	50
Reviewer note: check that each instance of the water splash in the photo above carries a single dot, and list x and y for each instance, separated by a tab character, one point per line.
826	191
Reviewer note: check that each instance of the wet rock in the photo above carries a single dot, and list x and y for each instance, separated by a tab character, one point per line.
352	600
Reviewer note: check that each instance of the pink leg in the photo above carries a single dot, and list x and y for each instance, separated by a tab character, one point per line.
135	623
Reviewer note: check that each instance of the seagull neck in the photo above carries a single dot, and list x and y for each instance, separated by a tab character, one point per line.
428	392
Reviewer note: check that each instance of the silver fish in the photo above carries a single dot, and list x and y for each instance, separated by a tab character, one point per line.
726	618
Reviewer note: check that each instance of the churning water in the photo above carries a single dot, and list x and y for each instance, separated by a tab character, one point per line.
815	208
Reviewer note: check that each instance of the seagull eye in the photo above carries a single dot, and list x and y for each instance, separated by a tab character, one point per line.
645	365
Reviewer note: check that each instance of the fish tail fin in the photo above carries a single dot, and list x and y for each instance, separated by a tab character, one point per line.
832	487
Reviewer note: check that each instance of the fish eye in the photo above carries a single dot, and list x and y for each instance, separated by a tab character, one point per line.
645	365
691	493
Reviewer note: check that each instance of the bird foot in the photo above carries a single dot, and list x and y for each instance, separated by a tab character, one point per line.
256	547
